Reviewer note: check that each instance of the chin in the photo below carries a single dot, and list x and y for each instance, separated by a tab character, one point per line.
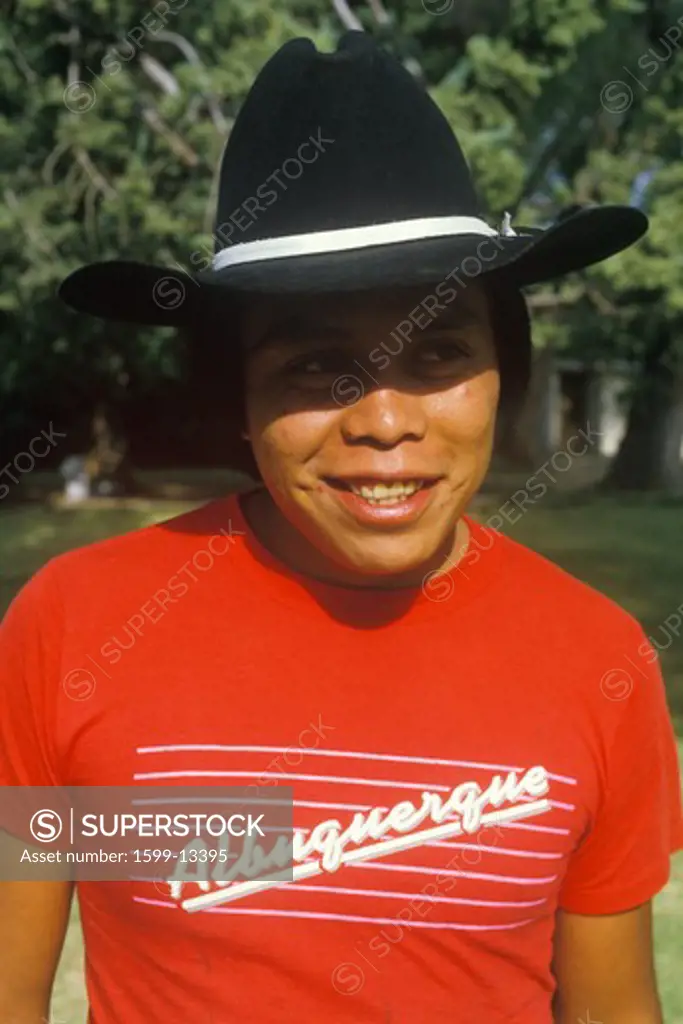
389	557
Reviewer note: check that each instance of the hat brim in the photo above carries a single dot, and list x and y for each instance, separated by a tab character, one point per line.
144	294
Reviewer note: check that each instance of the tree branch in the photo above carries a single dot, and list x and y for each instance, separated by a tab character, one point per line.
72	38
551	300
181	43
90	218
192	57
383	19
48	169
601	302
159	74
379	12
41	243
97	178
182	149
22	63
346	15
211	200
75	181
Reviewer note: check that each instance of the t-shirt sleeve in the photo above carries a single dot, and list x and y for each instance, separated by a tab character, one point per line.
30	657
625	859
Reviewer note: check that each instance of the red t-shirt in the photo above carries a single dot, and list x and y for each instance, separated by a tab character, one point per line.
185	653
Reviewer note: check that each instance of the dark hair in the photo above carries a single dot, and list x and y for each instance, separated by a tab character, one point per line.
215	369
216	366
512	333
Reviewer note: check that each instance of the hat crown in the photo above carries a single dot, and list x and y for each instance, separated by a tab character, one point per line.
335	140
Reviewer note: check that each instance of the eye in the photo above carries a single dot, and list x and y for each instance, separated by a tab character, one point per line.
307	364
316	368
442	355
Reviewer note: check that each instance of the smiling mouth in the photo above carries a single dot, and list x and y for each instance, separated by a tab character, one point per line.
381	492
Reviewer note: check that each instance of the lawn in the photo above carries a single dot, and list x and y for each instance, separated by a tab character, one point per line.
630	549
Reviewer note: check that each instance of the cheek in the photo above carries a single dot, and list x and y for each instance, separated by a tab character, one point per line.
467	412
292	438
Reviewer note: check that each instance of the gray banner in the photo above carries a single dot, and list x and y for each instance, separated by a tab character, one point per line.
160	833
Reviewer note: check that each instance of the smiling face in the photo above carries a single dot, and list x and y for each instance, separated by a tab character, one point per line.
370	440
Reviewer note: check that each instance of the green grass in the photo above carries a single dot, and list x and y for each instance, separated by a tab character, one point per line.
630	549
31	534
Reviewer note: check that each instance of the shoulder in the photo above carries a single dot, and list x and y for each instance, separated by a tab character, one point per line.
582	649
160	540
134	562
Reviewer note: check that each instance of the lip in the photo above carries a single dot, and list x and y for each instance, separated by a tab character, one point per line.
402	513
382	478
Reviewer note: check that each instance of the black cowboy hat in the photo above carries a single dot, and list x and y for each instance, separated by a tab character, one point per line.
341	173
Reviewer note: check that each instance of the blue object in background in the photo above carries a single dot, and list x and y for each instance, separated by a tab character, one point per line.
639	188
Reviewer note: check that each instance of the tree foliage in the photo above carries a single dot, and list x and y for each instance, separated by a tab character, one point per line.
114	117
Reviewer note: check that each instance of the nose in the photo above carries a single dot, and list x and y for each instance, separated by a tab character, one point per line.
383	418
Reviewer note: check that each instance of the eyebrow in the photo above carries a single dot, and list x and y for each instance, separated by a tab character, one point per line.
463	316
296	330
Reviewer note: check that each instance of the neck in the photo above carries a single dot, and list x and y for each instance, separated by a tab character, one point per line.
289	546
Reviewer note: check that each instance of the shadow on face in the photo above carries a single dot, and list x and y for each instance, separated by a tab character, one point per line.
372	421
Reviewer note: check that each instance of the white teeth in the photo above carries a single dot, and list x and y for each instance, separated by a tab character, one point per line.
387	494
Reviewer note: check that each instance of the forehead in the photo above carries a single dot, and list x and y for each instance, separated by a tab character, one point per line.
345	313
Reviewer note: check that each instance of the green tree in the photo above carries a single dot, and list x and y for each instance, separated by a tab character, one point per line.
114	122
569	101
112	125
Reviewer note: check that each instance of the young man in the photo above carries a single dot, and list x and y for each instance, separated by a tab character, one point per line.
344	627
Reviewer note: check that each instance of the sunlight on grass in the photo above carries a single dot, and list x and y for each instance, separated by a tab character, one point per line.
669	944
32	534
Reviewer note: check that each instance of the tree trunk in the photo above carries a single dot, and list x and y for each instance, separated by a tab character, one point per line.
108	457
525	440
649	456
